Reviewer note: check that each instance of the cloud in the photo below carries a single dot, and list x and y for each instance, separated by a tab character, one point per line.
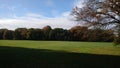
79	3
32	20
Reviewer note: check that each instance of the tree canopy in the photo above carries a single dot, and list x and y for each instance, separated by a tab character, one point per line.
100	14
77	33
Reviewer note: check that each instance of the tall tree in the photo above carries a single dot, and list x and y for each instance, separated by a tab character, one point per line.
46	31
21	34
8	34
97	13
35	34
2	32
59	34
78	33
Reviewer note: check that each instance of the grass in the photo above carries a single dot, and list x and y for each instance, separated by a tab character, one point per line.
78	47
58	54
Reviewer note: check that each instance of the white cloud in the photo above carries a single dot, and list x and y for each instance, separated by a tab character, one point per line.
79	3
32	20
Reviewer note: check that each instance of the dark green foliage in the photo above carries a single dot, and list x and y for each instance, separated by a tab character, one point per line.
59	34
117	37
35	34
20	34
116	41
99	35
76	33
8	34
96	35
1	33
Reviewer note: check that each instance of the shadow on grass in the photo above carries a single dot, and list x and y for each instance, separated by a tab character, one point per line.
15	57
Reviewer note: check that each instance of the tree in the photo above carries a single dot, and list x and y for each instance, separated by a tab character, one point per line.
78	33
2	32
46	31
100	35
20	34
99	13
59	34
8	34
35	34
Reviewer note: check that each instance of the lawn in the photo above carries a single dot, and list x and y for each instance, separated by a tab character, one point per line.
78	47
58	54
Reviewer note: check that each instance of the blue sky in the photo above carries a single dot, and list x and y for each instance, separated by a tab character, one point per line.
36	13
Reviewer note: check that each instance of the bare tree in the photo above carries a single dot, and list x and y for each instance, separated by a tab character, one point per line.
100	13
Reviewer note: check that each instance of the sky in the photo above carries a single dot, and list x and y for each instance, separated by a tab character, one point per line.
37	13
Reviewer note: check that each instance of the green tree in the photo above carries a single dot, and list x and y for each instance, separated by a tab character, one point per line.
1	33
8	34
99	35
35	34
21	33
46	31
59	34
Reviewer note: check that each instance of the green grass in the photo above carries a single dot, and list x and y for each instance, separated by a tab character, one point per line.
78	47
58	54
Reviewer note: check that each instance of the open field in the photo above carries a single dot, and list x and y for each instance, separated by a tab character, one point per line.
58	54
78	47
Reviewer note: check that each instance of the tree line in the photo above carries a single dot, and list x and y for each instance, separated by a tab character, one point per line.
77	33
